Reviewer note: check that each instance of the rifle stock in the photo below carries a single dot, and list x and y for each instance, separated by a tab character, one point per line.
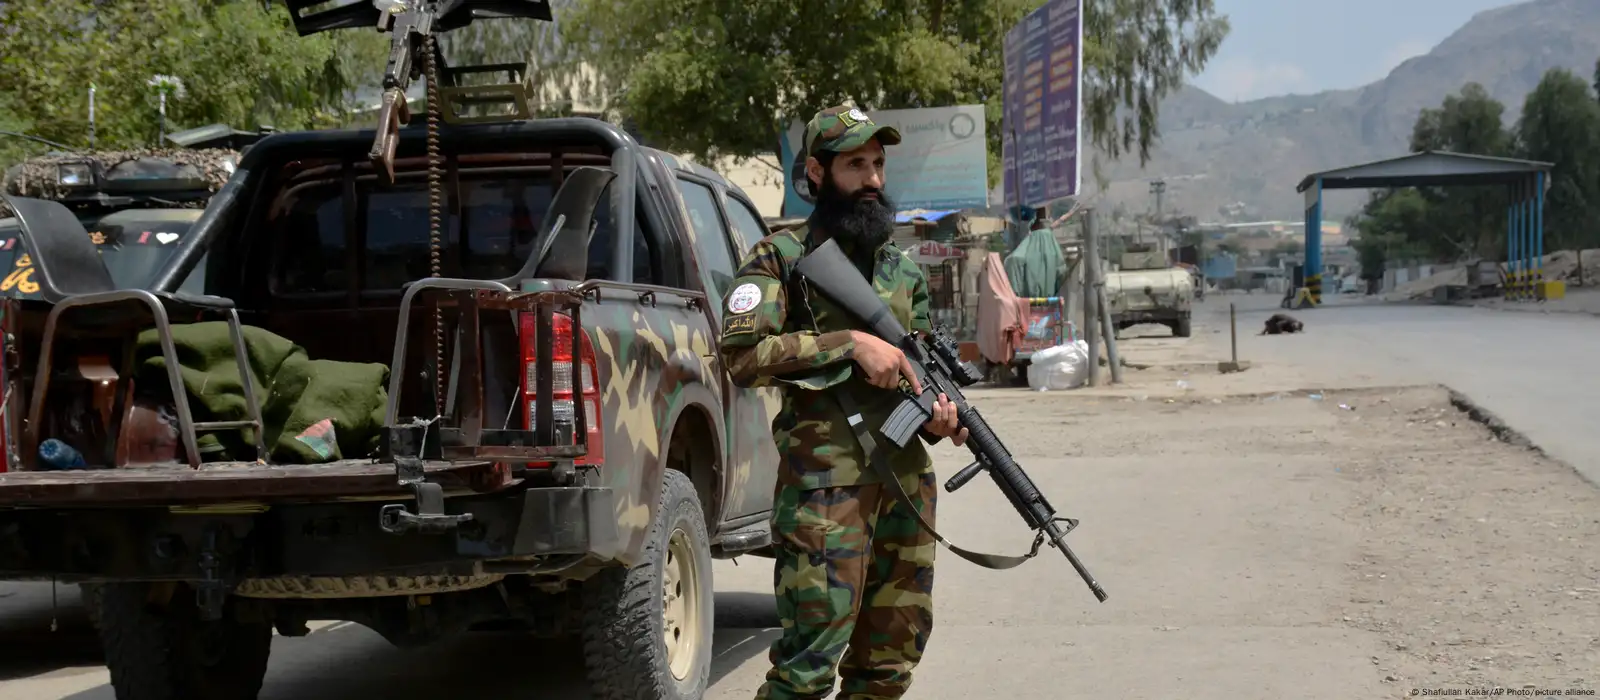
935	359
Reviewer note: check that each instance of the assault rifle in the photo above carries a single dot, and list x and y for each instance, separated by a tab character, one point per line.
936	361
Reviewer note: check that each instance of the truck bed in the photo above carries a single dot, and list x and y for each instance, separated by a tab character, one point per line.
233	482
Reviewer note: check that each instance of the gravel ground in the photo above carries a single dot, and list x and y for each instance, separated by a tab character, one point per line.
1369	543
1473	561
1480	566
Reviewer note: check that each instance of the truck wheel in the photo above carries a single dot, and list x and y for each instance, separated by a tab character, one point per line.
1181	329
647	629
172	654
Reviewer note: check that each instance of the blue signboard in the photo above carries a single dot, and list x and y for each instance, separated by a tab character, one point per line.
1043	104
942	161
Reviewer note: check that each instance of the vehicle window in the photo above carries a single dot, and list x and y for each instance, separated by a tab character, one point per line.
133	248
601	243
500	218
314	244
746	225
711	241
396	232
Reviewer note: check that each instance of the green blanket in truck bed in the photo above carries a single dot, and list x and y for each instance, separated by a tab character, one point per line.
314	411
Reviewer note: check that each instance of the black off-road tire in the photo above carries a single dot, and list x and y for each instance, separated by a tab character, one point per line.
624	638
157	653
1182	329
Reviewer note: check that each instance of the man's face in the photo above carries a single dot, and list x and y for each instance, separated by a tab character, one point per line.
860	170
850	202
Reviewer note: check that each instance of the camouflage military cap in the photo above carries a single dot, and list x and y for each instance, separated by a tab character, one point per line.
842	128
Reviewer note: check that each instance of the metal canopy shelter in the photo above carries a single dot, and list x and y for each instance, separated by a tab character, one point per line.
1526	179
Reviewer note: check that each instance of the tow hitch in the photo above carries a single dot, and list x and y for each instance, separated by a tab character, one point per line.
405	444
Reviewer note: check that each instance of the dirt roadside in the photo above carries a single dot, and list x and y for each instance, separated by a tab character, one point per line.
1466	561
1481	568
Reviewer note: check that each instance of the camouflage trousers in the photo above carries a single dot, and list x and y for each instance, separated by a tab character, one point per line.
854	586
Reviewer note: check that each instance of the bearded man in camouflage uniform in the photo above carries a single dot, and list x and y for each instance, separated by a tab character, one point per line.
854	571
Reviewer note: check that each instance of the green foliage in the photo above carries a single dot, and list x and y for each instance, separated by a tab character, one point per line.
1559	124
240	63
536	45
1459	222
714	77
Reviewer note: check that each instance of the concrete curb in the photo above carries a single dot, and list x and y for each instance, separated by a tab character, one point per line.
1501	430
1119	395
1534	310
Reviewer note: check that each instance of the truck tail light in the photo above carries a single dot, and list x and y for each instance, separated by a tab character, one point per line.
563	407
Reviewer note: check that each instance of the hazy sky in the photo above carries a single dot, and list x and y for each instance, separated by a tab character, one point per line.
1278	47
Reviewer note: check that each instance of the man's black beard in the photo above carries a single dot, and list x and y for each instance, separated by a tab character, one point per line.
861	224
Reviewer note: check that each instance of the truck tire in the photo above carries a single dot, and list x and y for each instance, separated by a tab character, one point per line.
1181	329
630	613
172	654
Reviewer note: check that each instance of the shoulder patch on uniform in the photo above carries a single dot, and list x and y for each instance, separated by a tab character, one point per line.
744	298
742	323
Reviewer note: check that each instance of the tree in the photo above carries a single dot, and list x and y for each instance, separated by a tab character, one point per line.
1448	223
557	81
1597	78
1561	124
241	64
712	77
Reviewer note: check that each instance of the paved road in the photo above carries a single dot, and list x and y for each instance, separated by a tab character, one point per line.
1214	591
1536	371
1223	548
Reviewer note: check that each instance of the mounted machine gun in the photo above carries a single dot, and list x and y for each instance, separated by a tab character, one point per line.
414	52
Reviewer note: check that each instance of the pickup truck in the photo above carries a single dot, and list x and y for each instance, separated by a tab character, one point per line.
532	426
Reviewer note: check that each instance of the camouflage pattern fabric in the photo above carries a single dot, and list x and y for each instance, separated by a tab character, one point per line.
854	582
770	338
40	176
841	129
853	571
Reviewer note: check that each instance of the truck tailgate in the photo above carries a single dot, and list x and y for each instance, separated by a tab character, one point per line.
232	482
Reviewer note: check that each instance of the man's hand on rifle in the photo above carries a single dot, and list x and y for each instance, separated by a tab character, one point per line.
884	364
943	423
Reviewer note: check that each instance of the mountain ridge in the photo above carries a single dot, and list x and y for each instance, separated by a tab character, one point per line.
1214	153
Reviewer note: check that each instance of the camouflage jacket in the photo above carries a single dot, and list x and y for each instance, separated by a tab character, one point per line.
803	345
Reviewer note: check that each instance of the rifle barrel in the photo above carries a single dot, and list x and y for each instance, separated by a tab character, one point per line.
1058	539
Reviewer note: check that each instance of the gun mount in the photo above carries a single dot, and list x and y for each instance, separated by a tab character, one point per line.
414	52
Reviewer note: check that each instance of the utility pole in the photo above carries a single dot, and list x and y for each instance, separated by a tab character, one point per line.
1091	299
1158	187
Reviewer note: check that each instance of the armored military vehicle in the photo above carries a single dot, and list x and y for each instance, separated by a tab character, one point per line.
1148	288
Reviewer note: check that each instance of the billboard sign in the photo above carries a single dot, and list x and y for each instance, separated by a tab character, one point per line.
1043	105
942	161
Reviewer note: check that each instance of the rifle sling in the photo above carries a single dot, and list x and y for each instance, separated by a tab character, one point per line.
880	464
796	289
